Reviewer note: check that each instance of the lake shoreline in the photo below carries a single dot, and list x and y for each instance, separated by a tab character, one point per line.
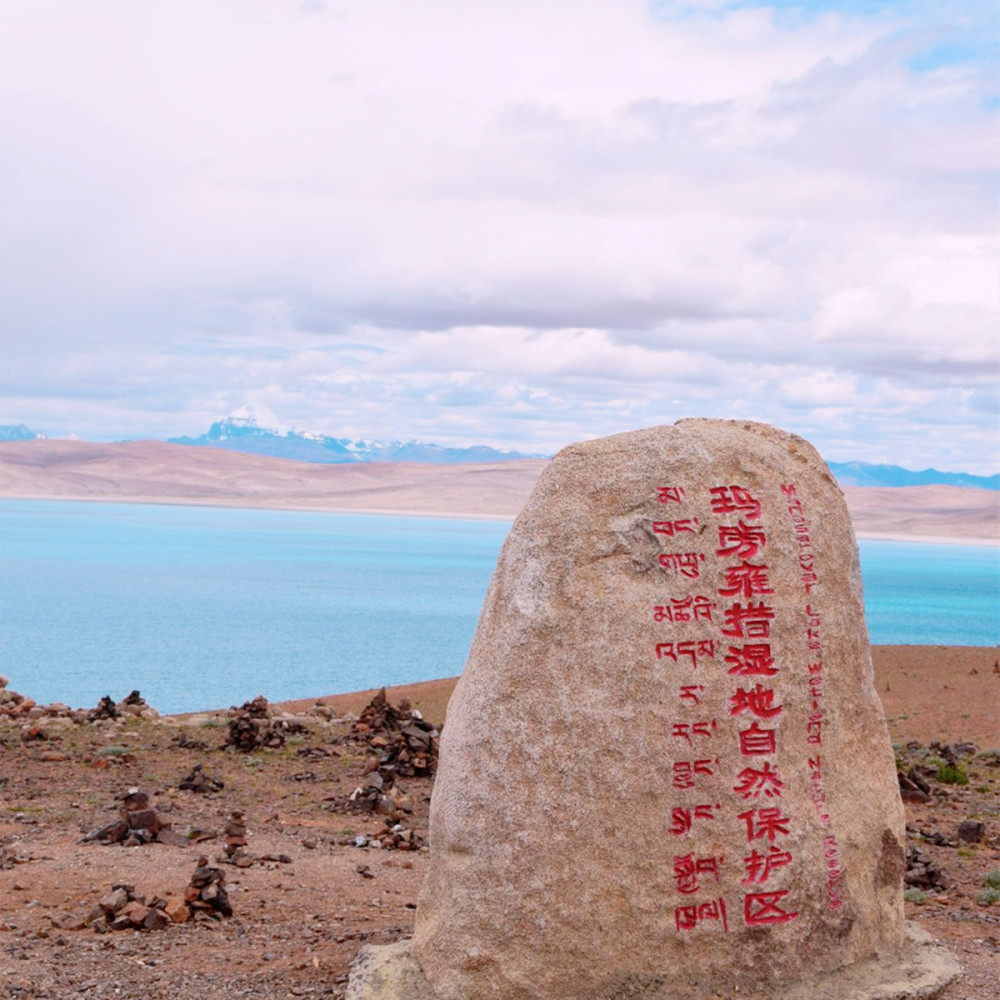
152	472
928	692
444	515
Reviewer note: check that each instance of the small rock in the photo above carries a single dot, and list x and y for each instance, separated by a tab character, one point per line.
971	831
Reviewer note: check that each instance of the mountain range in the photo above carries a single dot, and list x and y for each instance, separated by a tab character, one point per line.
255	430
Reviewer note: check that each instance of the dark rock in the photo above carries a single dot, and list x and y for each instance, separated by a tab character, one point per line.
971	831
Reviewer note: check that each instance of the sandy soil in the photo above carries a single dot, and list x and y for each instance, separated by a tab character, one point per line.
297	924
154	472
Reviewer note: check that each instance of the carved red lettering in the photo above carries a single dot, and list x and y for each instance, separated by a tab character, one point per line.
767	822
682	818
761	908
684	609
746	580
685	730
692	692
756	742
672	528
752	621
687	918
685	564
733	499
685	772
741	540
687	868
751	660
694	649
759	702
758	866
753	782
670	494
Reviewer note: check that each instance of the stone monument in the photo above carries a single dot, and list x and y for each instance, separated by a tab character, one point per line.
665	771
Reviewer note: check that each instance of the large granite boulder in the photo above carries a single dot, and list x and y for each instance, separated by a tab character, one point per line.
665	770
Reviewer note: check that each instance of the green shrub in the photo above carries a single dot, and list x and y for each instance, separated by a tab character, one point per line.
952	774
992	880
914	895
988	897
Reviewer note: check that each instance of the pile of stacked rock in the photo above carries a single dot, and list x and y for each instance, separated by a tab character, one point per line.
122	910
392	837
198	781
407	745
404	746
138	823
206	893
922	872
254	725
20	707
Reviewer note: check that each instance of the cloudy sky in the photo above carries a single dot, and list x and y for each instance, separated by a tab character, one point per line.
513	222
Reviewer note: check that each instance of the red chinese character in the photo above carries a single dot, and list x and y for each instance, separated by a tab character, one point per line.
751	660
690	692
759	702
755	742
687	868
671	528
752	621
747	579
768	823
685	772
730	499
670	494
758	866
741	540
683	563
751	782
762	908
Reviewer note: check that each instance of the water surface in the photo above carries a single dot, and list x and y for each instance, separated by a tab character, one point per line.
201	607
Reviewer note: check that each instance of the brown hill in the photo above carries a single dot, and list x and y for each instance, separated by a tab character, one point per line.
155	472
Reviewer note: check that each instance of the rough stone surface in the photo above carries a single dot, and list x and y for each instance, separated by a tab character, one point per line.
919	970
665	770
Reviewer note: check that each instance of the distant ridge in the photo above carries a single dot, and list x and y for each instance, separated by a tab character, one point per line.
18	432
863	474
257	431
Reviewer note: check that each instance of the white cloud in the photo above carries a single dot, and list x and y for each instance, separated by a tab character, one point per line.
512	222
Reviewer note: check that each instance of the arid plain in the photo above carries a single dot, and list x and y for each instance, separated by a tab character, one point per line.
298	922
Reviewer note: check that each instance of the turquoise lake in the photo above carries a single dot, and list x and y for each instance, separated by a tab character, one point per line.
202	607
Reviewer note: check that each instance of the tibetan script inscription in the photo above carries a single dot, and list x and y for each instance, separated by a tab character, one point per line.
666	750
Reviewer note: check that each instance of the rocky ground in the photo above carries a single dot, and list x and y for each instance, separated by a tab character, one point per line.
313	825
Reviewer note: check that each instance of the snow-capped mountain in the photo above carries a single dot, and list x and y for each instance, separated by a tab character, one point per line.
18	432
257	430
864	474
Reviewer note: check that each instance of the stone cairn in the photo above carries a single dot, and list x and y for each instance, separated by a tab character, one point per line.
123	909
200	782
403	745
20	708
254	726
666	772
138	823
